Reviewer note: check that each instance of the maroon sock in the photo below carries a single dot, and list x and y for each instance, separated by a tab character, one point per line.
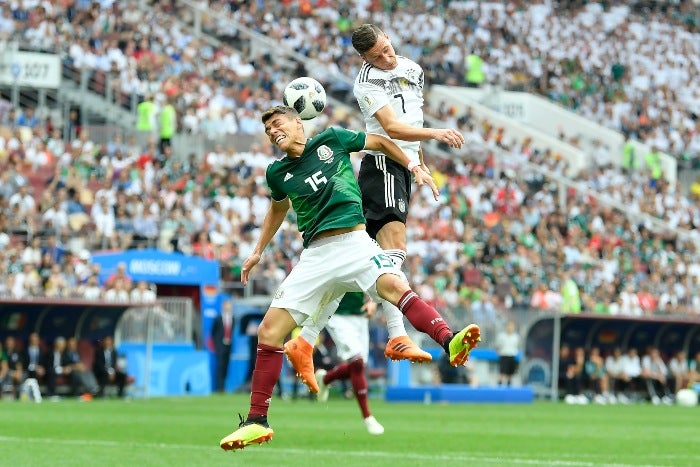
340	372
359	385
268	366
424	318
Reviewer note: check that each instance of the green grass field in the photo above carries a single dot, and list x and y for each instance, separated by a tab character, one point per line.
186	432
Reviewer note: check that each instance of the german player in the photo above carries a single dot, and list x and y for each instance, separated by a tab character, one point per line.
389	91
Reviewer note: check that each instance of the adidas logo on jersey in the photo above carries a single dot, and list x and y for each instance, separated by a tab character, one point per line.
288	176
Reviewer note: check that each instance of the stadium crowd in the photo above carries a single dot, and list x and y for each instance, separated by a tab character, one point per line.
630	66
642	86
492	242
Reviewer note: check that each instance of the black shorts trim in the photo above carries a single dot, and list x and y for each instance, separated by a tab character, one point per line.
386	192
507	365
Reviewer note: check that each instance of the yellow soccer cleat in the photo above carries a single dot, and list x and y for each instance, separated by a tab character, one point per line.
462	343
251	431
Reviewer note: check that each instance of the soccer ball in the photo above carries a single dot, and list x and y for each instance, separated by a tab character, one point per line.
306	96
687	398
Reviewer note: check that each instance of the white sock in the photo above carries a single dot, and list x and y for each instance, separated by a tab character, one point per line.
310	333
394	320
392	315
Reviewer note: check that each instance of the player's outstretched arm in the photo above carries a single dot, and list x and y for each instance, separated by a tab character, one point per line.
273	220
388	147
398	130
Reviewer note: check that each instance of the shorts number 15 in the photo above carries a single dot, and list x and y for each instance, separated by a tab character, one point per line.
382	261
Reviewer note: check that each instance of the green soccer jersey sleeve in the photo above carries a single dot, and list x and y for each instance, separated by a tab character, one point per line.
320	183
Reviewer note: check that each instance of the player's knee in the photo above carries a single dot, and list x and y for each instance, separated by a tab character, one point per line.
269	334
391	287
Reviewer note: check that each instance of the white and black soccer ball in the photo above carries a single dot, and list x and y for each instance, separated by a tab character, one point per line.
306	96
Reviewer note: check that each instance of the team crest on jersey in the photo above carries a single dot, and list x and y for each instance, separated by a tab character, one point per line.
279	294
325	154
411	75
402	205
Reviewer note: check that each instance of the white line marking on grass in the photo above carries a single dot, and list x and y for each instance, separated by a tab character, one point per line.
476	456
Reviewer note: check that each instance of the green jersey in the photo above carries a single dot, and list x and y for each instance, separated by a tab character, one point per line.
351	304
321	183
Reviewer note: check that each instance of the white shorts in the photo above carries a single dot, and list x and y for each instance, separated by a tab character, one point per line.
351	336
327	269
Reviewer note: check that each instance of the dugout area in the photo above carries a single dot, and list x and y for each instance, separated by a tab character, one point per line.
87	321
545	334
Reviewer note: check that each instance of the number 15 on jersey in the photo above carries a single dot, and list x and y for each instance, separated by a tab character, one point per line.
316	180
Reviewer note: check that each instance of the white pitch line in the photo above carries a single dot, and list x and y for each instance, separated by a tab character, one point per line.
482	457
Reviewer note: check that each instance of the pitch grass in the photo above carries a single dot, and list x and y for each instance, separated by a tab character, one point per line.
186	432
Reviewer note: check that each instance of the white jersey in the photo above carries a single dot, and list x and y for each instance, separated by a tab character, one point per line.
402	88
508	343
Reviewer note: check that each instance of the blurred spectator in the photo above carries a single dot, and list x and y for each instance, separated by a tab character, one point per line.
33	359
56	285
632	369
121	274
508	346
655	375
448	374
142	293
146	122
53	249
106	367
570	376
15	363
571	301
91	290
222	335
27	118
694	367
56	364
168	124
32	253
118	292
6	386
80	375
27	282
679	372
595	377
618	380
103	218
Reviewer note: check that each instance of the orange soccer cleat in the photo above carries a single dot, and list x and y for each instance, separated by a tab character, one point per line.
300	355
403	348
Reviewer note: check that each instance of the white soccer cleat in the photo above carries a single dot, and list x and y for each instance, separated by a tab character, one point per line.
373	426
323	388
